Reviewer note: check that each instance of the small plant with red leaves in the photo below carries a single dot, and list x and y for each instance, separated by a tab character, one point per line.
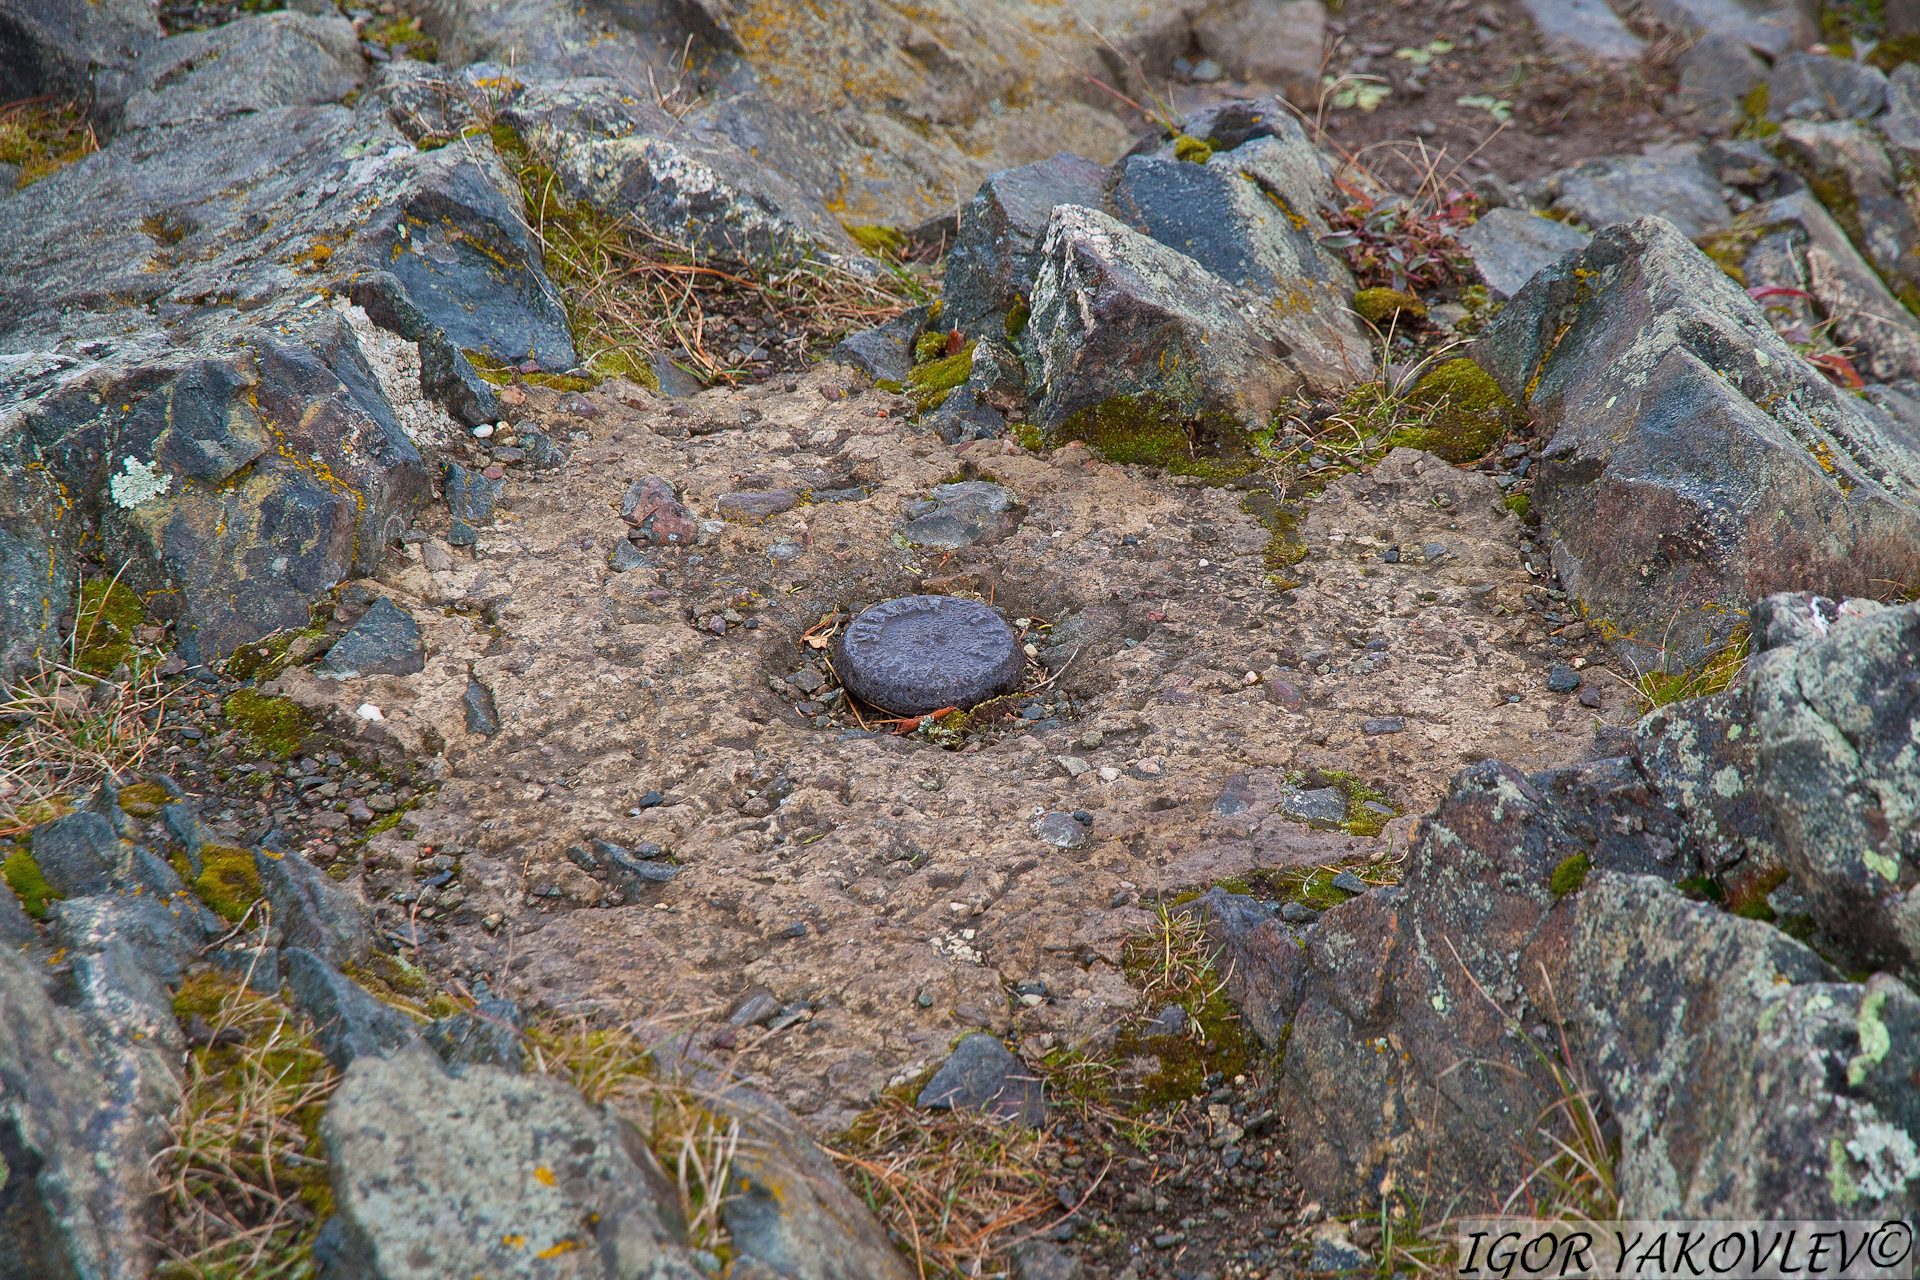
1392	244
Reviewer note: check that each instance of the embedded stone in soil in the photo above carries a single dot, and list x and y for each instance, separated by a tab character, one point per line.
921	653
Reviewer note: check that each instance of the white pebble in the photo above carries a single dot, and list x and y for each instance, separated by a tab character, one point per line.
484	430
368	711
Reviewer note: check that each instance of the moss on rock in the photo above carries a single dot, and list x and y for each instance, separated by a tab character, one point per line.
275	726
144	800
1146	428
23	876
104	623
1465	411
1570	875
1379	306
879	241
1191	149
931	383
229	882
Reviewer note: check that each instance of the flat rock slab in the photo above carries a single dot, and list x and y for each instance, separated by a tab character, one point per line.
1509	246
921	653
1585	28
1614	189
962	513
385	642
982	1074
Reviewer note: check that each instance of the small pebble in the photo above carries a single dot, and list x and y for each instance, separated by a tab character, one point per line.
484	430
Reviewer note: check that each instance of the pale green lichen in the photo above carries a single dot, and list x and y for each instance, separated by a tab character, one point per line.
1875	1038
136	483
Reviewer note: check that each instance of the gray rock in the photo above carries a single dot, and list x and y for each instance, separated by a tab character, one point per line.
674	381
1717	79
1268	42
982	1074
162	934
754	508
1836	717
1060	830
631	875
1855	176
755	1008
77	51
9	178
258	967
683	180
16	926
348	1023
78	854
1347	882
1324	807
1264	965
312	910
1789	1094
1043	1260
490	1036
996	257
964	512
921	653
885	352
1739	162
255	63
1584	28
1769	27
963	415
626	556
384	642
1901	123
1699	754
483	717
1655	341
470	495
1383	724
1170	1021
1509	246
1794	243
1298	913
1125	328
1816	86
1562	678
494	1168
1671	183
81	1114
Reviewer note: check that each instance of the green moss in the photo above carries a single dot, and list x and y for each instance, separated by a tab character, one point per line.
1378	306
1517	503
103	625
1017	317
202	994
1027	436
624	362
1466	412
498	372
879	241
1148	429
1570	875
1891	53
561	381
1755	103
42	137
1729	250
934	381
229	882
1285	547
144	800
929	346
275	726
401	29
1191	149
1362	821
23	876
266	658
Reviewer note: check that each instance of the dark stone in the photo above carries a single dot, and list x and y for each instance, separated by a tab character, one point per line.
1562	678
674	381
1609	190
1298	913
630	875
1170	1021
626	556
963	415
982	1074
920	653
1647	372
312	911
1384	724
461	534
1042	1260
992	264
159	935
1818	86
483	717
1347	882
962	514
755	508
77	51
489	1036
348	1023
470	496
1717	76
885	352
755	1008
1509	246
77	854
385	642
255	63
657	517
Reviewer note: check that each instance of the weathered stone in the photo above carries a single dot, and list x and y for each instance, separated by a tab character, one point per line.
754	508
1849	169
162	934
1699	753
680	179
1043	1260
384	642
1809	488
76	51
963	415
78	854
1901	123
996	257
1717	79
81	1114
1140	351
1769	27
1671	183
1271	42
312	911
496	1169
483	717
1510	246
982	1074
921	653
885	352
964	513
1325	808
788	1208
490	1036
470	495
1584	28
633	876
657	517
1059	830
1265	963
1817	86
1786	1092
348	1023
253	64
1836	717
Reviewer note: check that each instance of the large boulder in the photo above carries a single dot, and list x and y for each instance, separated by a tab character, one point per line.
1145	354
1769	27
1847	166
1747	1078
996	255
1693	461
254	64
174	376
76	50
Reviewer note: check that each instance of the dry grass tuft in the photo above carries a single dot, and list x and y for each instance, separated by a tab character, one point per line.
41	135
1174	962
62	732
1672	682
243	1178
